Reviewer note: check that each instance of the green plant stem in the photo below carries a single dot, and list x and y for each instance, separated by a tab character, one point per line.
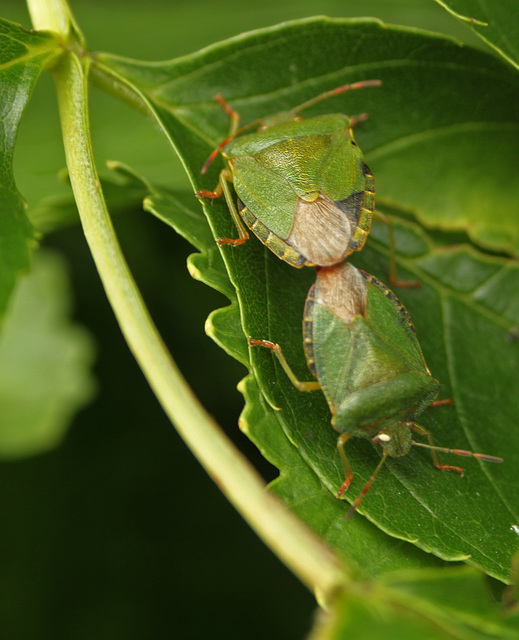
290	539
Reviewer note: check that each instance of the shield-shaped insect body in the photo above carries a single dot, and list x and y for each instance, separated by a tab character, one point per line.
302	184
304	189
360	343
361	346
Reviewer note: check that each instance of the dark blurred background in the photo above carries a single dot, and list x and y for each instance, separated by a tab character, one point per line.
119	533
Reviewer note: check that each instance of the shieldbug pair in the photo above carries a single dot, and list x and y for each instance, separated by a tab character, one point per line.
304	189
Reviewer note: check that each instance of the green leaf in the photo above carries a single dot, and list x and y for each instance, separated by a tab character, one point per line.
23	55
45	362
441	106
460	597
464	338
297	485
362	619
496	23
122	191
463	314
366	550
467	308
419	604
175	209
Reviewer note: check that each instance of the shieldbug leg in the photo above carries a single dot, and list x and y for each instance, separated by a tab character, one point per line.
358	500
393	280
223	187
334	92
433	449
442	403
225	178
311	385
355	120
348	473
234	116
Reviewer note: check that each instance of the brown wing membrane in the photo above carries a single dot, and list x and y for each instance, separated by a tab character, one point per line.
342	290
321	232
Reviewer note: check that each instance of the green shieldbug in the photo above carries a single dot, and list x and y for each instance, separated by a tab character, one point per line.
361	346
302	184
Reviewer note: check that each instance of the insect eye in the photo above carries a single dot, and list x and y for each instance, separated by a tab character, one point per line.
381	438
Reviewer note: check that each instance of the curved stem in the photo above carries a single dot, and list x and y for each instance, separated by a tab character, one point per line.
291	540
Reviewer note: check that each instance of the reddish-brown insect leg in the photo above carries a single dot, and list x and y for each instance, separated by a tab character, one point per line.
234	241
232	113
204	193
405	284
358	500
448	467
442	403
459	452
311	385
261	343
345	486
361	117
348	473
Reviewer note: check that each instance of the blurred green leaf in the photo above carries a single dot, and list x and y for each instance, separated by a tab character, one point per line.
45	362
496	23
23	55
457	597
426	604
365	619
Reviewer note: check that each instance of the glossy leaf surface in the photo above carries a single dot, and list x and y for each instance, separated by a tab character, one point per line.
467	308
453	517
441	106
